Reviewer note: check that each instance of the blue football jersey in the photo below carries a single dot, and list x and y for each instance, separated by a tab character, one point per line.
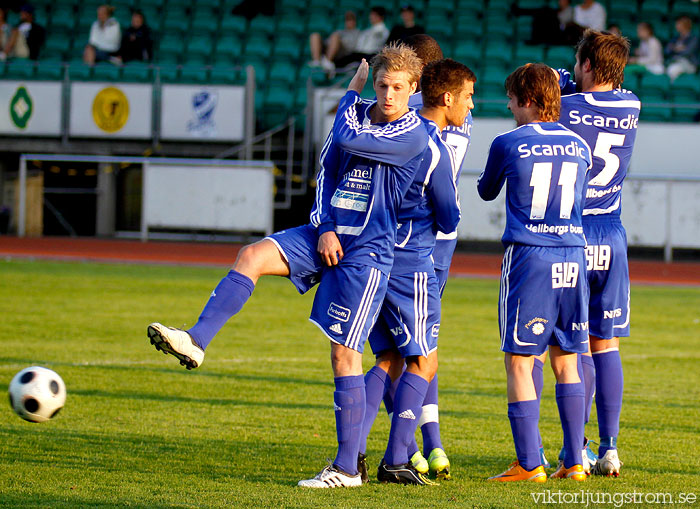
431	204
545	167
608	122
459	138
365	170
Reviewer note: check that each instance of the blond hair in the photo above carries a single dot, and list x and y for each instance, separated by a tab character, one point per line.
397	57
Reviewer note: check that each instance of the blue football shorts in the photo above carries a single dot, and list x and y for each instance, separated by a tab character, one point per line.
608	276
347	303
409	320
543	299
299	246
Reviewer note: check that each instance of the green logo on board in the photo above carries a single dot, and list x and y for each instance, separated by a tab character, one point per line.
21	108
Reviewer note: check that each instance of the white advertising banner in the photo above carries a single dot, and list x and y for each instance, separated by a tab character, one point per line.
207	113
111	110
197	194
31	108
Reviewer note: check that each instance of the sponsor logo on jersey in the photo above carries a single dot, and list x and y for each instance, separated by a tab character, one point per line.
21	107
339	312
572	149
599	193
110	109
336	328
203	110
613	313
536	325
396	331
579	326
407	414
629	122
559	229
349	201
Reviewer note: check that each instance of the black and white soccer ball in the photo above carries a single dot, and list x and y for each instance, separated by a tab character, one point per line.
37	394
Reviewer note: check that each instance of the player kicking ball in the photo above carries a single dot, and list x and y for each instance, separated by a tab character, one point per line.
543	290
383	143
409	321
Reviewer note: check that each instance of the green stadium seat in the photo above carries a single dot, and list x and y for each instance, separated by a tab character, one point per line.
631	82
491	102
441	5
523	28
199	46
526	54
233	25
51	70
62	18
175	20
297	4
78	71
282	72
318	22
437	24
620	11
20	69
229	45
258	45
531	4
683	109
291	24
106	72
300	98
168	73
685	8
214	4
471	7
225	75
561	57
154	4
499	28
654	11
136	71
260	65
204	19
467	52
468	28
57	47
86	17
288	46
194	74
657	84
262	25
687	82
498	53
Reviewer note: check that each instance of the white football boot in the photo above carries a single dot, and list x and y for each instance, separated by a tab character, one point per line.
608	465
176	342
330	477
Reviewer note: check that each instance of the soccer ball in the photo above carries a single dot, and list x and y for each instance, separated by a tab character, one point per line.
37	394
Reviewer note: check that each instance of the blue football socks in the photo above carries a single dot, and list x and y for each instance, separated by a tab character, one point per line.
408	403
226	300
538	381
570	400
524	416
377	383
587	374
349	399
608	399
431	424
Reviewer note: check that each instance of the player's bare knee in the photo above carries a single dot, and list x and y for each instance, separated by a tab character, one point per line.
391	362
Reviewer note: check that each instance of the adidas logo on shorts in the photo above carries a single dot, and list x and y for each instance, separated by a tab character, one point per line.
407	414
336	328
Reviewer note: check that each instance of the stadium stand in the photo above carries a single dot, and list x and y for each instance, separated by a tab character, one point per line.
200	41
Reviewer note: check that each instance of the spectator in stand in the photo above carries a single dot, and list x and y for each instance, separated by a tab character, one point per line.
339	44
5	28
105	37
407	28
590	14
649	56
615	29
137	44
26	39
682	50
549	25
370	40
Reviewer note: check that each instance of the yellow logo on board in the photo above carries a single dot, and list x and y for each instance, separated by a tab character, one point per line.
110	109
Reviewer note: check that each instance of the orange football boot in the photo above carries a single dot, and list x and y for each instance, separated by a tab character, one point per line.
575	472
517	473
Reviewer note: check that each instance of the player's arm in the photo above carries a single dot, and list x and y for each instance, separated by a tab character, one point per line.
445	197
567	85
493	177
394	144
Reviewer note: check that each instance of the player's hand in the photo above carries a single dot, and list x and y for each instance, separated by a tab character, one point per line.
330	249
357	83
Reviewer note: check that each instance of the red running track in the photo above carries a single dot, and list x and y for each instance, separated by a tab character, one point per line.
185	253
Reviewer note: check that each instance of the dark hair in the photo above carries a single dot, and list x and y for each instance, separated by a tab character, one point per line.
378	10
427	48
407	8
607	53
648	26
443	76
538	85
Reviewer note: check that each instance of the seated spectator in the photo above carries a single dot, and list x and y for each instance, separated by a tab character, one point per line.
649	56
407	27
590	14
370	40
682	50
137	44
549	25
339	44
105	37
26	39
5	28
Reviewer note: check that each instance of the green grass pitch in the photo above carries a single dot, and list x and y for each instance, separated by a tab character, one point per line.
139	430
